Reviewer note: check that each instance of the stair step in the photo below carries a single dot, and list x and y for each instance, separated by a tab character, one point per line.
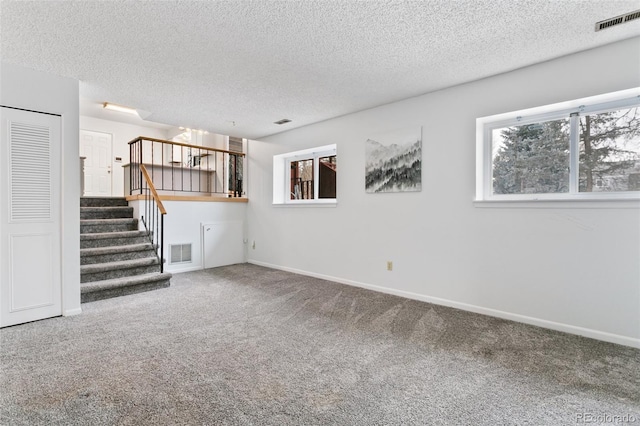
106	239
106	289
119	269
89	256
116	258
91	226
102	201
112	212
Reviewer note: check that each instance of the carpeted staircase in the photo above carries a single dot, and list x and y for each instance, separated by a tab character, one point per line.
116	258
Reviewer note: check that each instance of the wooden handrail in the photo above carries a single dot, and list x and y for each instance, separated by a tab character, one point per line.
141	138
156	197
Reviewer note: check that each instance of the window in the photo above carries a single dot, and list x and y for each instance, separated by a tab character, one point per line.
302	178
236	166
609	151
585	149
531	159
305	177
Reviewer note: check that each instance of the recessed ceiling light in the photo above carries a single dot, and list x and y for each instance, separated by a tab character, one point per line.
283	121
120	108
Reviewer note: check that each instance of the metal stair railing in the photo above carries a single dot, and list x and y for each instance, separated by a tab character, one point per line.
185	168
153	215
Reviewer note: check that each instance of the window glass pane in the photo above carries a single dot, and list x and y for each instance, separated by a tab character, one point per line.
302	180
327	177
235	174
610	151
531	159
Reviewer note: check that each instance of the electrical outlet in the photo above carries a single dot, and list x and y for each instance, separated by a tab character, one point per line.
389	265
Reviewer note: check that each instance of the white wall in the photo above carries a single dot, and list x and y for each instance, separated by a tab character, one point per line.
182	225
214	140
33	90
122	134
570	269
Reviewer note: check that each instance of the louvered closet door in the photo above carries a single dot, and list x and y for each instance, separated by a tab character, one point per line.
30	219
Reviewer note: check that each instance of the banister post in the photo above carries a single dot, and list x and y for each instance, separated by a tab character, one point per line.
130	169
161	243
140	164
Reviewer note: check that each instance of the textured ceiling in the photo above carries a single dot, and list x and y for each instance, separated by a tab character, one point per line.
209	64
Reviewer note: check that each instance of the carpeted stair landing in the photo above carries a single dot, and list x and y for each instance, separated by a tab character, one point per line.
116	258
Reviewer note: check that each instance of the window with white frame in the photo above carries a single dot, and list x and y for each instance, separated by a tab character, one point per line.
583	149
305	177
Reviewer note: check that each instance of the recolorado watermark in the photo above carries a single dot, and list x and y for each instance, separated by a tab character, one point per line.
604	418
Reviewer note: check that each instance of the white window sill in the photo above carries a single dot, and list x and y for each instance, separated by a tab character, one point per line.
584	203
310	203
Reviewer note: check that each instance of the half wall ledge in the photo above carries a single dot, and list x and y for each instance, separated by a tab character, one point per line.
205	198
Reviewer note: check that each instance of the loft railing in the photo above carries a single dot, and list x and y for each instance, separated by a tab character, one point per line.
301	189
185	168
153	215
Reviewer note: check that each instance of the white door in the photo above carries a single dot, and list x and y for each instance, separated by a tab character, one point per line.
223	243
30	218
96	147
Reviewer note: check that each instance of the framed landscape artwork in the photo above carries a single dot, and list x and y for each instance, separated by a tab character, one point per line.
393	161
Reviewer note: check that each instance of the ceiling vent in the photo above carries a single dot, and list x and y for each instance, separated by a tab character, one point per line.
283	121
617	20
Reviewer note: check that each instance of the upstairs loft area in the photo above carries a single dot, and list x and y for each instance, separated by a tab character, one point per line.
189	172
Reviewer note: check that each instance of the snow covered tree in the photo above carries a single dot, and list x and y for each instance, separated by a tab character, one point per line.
609	146
533	158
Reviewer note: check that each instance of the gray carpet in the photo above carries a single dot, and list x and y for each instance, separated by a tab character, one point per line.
246	345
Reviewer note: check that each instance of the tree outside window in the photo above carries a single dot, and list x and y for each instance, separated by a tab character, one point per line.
535	158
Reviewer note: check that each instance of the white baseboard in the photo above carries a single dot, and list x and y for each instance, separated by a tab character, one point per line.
181	270
72	312
566	328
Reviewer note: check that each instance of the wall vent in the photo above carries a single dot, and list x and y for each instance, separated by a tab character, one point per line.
617	20
180	253
235	144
